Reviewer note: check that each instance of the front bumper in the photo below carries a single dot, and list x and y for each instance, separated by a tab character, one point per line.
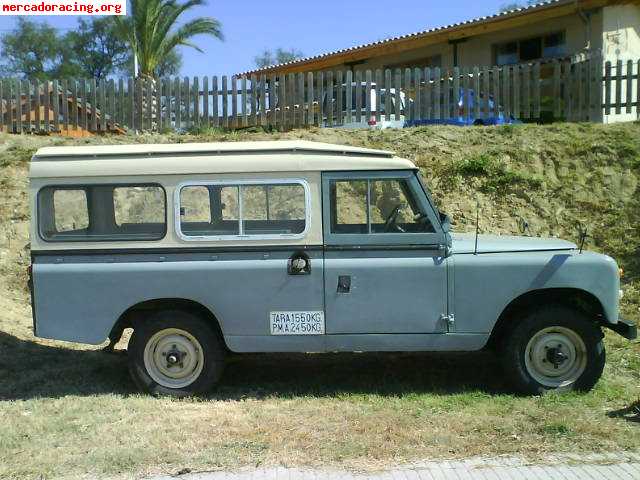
626	328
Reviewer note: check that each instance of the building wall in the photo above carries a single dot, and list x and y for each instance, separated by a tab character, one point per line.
621	42
582	35
478	50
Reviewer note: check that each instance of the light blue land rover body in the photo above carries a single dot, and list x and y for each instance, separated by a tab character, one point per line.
206	249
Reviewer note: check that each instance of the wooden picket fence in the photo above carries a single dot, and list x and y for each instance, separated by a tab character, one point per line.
569	90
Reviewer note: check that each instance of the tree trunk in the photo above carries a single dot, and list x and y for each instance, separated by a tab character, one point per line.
147	104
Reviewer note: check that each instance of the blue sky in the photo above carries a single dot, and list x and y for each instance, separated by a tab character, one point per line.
310	26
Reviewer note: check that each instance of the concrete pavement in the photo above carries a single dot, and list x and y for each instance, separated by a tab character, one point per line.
615	466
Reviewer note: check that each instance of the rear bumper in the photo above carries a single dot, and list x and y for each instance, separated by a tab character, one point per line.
626	328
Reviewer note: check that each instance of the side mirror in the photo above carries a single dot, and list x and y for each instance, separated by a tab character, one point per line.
445	220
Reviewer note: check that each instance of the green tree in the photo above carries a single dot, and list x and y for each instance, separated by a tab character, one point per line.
36	50
170	65
507	7
153	33
280	55
103	51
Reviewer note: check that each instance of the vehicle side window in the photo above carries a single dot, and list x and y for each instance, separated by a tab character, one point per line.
71	212
376	206
350	206
138	205
95	213
261	209
195	204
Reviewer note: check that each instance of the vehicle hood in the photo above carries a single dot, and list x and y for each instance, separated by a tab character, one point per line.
465	243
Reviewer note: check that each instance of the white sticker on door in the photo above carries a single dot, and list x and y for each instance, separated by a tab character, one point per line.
296	323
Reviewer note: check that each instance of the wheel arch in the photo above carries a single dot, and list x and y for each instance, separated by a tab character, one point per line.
573	297
135	314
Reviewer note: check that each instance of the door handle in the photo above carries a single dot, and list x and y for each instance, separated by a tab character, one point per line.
344	283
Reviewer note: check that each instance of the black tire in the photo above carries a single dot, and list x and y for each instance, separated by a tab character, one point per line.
205	377
522	329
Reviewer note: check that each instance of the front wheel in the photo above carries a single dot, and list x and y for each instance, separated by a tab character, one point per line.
554	348
175	353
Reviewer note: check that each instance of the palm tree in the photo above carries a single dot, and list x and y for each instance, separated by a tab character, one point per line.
152	30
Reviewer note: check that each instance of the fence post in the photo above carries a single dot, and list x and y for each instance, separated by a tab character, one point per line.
557	90
205	101
47	106
448	95
330	98
486	86
36	95
310	99
408	106
378	95
358	90
437	80
618	87
637	89
18	93
397	83
195	87
8	96
2	109
629	86
567	94
417	104
526	91
282	101
536	90
121	118
225	107
254	100
214	101
506	92
272	118
516	92
243	99
476	90
55	100
339	97
263	100
388	103
465	94
27	103
427	99
496	91
188	117
453	110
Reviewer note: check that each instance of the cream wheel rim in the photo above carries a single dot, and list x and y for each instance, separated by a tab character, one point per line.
173	358
556	357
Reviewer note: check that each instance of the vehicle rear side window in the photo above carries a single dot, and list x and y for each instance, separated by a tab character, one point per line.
71	210
247	209
95	213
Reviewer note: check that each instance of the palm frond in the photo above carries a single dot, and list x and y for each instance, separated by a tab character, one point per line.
152	30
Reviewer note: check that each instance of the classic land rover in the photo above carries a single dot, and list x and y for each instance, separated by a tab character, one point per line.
206	249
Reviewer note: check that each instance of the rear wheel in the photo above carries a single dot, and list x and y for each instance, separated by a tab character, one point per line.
554	348
175	353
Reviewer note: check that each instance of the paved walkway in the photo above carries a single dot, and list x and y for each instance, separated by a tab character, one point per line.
568	467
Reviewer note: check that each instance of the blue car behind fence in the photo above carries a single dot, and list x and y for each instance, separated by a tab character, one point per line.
462	121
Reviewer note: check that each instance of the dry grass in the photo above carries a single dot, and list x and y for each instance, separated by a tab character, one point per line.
71	411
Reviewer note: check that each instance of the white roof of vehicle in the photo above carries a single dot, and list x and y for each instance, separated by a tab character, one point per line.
227	157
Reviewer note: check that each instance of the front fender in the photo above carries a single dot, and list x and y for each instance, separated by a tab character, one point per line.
485	284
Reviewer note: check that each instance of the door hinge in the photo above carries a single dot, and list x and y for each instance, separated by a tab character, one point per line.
449	321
